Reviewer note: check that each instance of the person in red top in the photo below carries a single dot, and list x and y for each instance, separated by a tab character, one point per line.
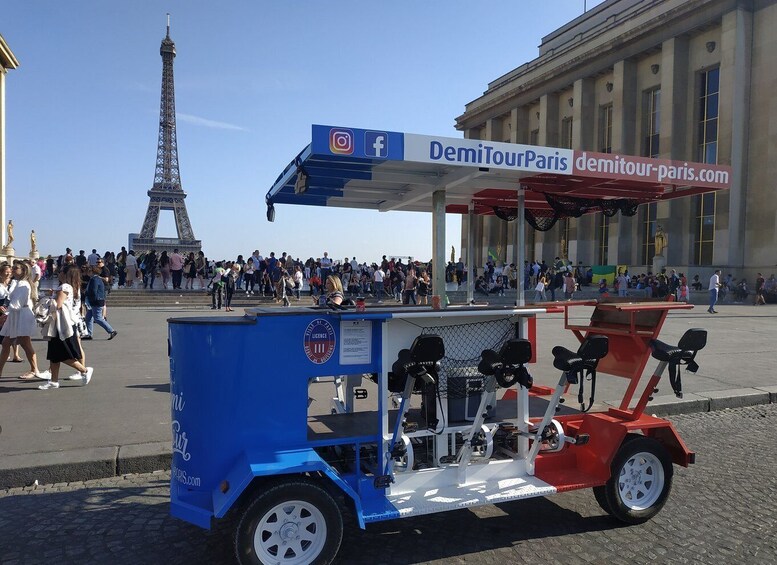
315	284
176	268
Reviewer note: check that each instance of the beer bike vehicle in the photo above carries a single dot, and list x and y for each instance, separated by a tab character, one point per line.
414	426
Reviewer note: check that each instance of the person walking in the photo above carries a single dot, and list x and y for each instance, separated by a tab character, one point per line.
713	288
539	290
230	286
20	324
190	270
378	276
760	284
297	281
409	287
149	276
248	276
164	269
217	286
59	330
7	284
424	287
176	268
202	267
95	306
130	269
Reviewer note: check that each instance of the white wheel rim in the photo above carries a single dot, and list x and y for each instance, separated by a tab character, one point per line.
290	533
641	481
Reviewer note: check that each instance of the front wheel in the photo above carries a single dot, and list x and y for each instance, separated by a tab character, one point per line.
295	522
640	482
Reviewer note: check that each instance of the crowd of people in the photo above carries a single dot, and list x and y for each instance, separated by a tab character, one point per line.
79	299
284	277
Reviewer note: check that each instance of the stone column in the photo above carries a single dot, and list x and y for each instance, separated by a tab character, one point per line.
519	125
676	217
736	57
624	131
624	107
549	120
493	129
3	221
583	114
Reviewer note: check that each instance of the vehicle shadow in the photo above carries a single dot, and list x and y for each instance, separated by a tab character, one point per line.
503	529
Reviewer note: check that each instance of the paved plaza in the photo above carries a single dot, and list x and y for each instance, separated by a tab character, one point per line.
120	422
719	511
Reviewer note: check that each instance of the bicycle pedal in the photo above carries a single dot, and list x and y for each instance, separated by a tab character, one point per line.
582	439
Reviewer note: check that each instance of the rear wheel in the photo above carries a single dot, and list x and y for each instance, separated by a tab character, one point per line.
295	522
640	482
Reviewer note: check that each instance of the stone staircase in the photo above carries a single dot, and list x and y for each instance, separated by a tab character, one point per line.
199	299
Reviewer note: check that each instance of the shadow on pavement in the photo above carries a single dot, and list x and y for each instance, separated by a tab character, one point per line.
121	522
165	387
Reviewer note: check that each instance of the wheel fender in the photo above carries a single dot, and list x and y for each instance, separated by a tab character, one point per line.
292	462
671	440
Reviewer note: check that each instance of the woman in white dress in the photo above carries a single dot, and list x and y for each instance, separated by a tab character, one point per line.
64	346
20	324
6	284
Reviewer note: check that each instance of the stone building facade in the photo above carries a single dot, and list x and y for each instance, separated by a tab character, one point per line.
691	80
7	62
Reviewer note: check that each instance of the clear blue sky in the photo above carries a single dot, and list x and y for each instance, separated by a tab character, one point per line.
251	77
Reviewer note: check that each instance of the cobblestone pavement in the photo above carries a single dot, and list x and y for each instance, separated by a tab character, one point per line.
720	511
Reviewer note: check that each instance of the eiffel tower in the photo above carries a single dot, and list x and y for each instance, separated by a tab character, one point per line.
166	194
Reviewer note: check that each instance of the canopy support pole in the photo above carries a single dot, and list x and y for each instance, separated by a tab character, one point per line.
438	246
470	253
520	252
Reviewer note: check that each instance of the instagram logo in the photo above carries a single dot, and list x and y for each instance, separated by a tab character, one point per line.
341	141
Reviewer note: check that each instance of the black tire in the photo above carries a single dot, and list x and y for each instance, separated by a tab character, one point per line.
303	506
640	481
601	498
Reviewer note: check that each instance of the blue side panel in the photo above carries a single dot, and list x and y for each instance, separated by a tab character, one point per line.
235	415
283	463
197	514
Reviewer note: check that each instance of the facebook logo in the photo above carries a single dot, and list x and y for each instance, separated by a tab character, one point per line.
376	144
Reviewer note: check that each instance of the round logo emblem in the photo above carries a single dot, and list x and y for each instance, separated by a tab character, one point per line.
319	341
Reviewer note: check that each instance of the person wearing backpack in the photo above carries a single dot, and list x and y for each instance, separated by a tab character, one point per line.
95	304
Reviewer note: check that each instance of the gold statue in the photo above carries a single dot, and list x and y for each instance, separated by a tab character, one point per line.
9	232
453	254
33	242
661	240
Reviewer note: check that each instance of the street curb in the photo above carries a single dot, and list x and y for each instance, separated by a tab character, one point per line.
113	461
736	398
58	466
670	405
144	457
